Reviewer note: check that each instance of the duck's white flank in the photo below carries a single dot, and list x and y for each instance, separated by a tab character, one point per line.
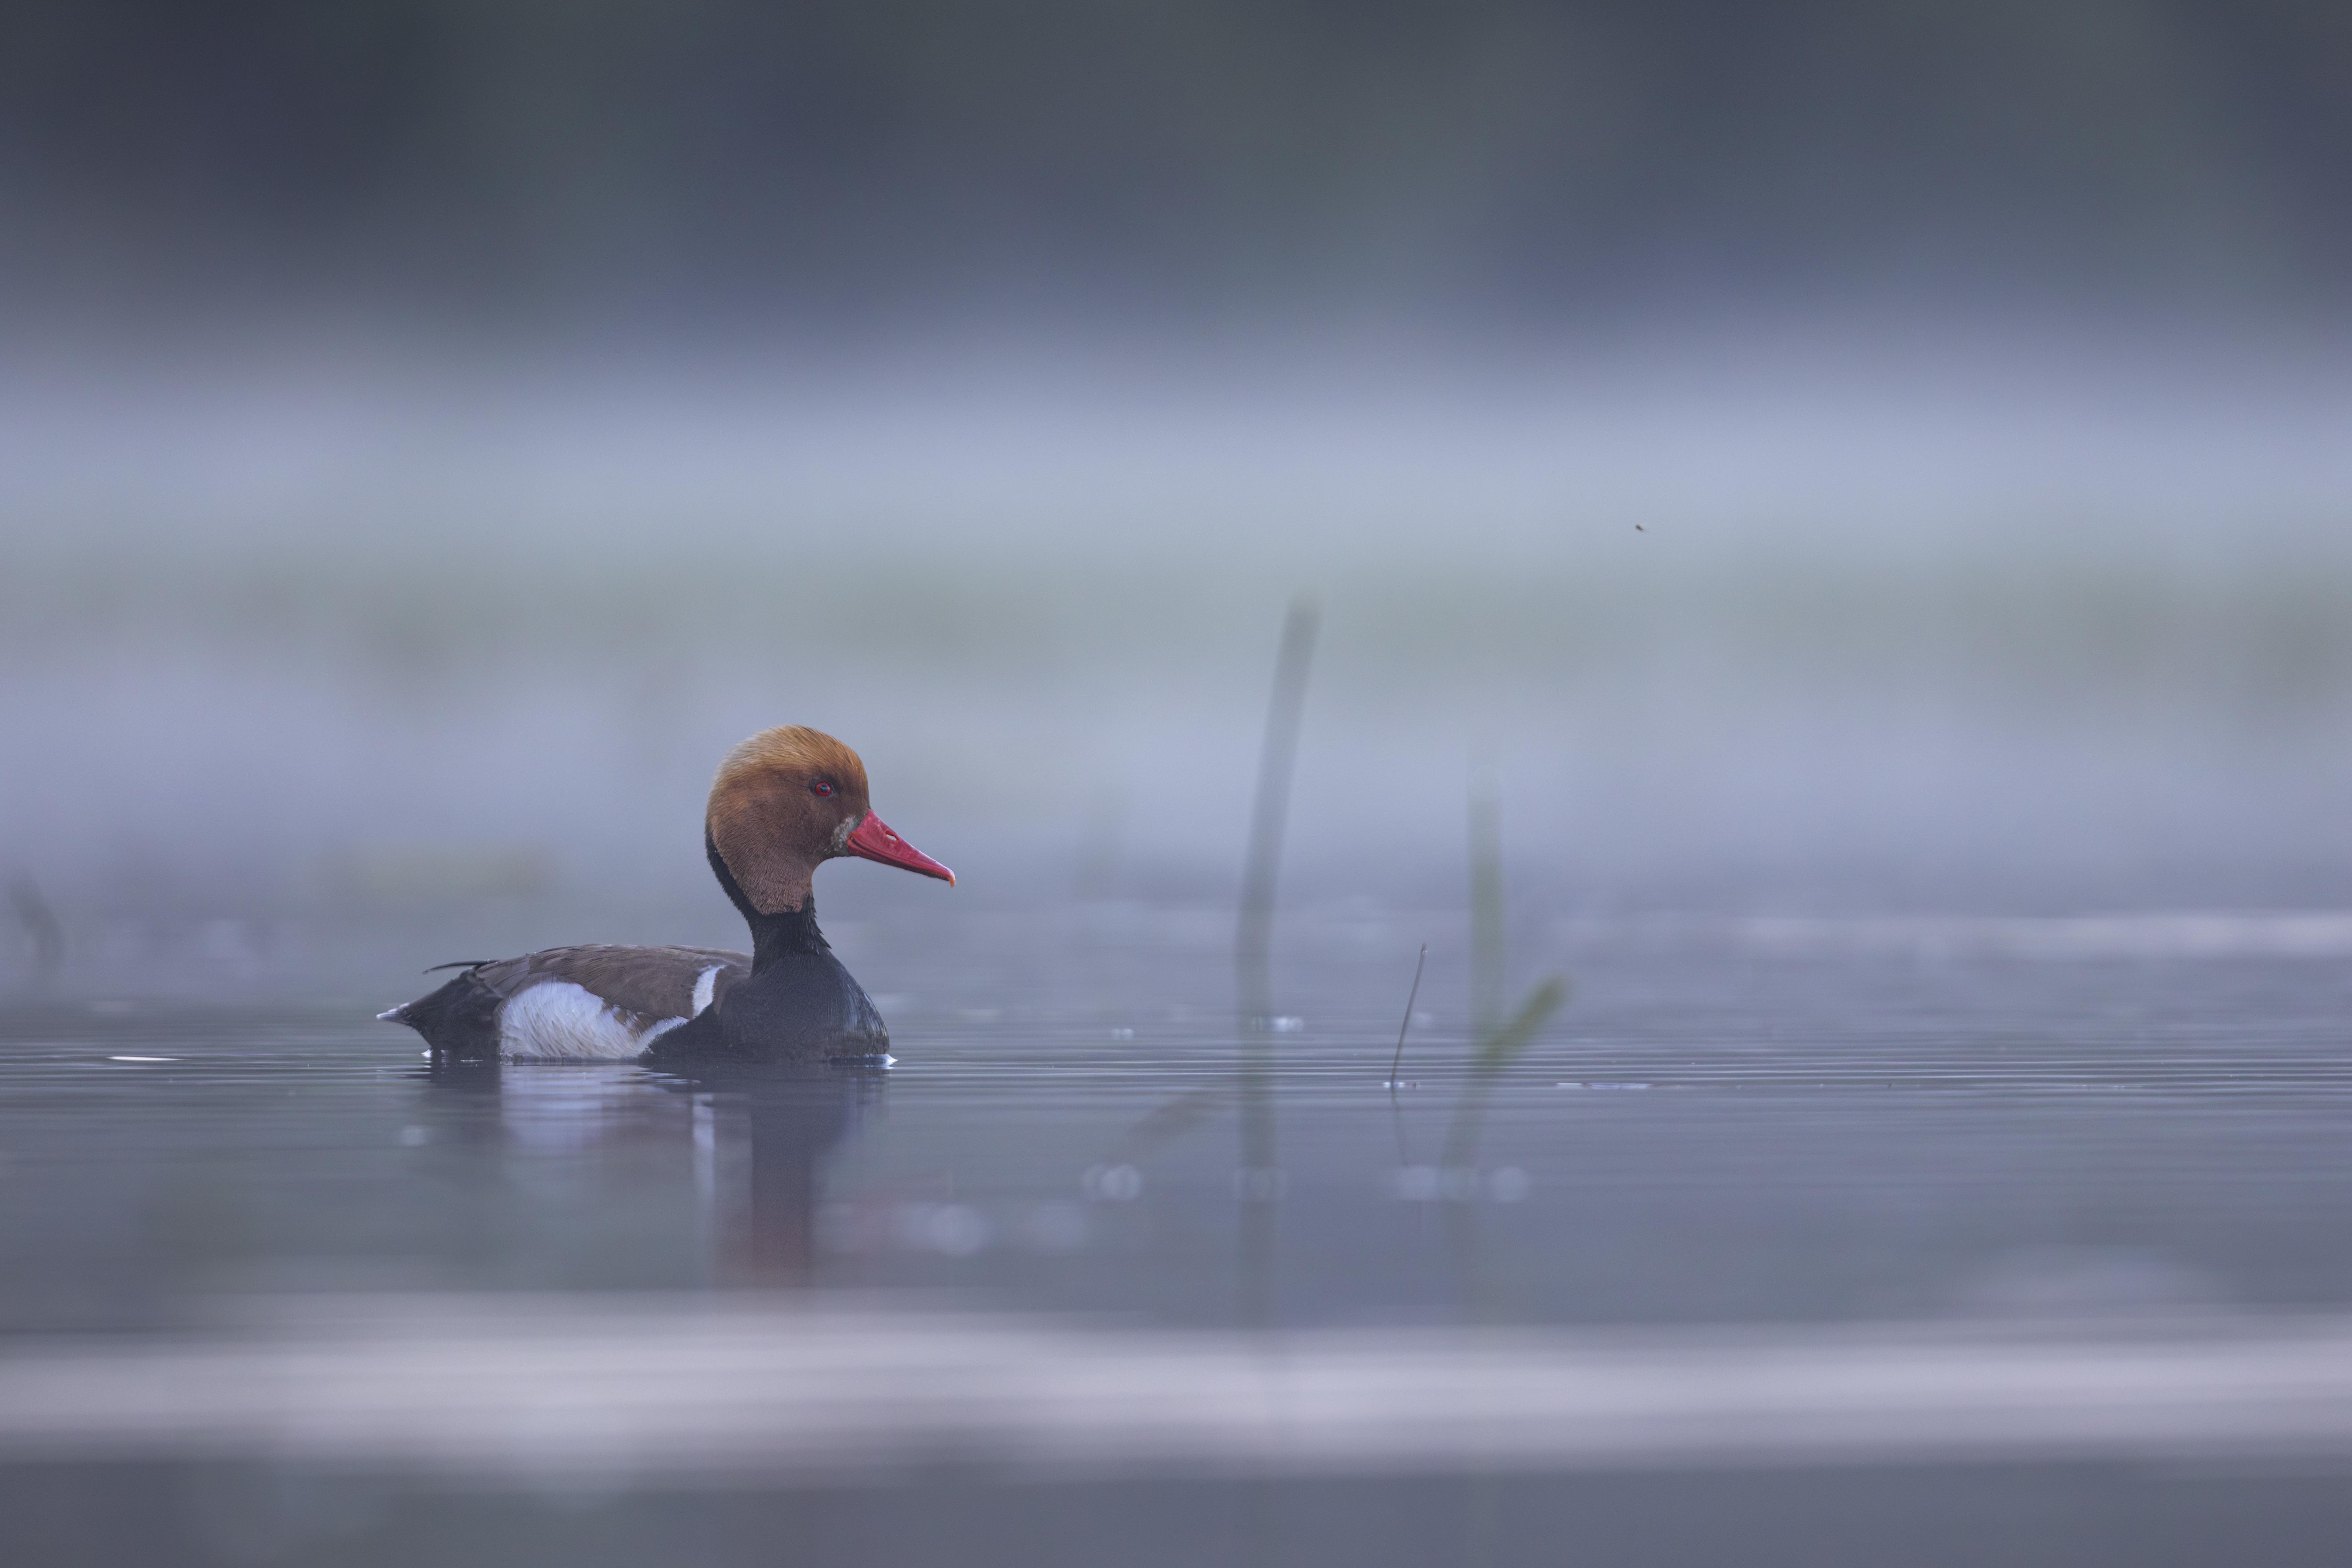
706	986
560	1021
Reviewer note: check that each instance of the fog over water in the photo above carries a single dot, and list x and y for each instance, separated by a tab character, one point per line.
1863	616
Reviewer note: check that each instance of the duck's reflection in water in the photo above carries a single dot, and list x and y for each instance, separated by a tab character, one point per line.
760	1135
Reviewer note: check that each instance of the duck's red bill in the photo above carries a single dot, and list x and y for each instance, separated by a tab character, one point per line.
875	841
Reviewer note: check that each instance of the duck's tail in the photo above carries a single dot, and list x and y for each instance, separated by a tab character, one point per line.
457	1017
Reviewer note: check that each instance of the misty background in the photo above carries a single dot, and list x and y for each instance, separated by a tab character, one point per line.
1823	458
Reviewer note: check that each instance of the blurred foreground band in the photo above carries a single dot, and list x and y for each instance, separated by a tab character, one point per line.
505	1388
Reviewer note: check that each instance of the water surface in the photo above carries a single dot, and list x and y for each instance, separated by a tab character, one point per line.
1750	1139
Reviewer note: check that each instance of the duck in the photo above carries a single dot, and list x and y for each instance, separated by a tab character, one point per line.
784	802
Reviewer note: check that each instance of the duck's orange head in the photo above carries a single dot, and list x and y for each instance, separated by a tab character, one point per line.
786	801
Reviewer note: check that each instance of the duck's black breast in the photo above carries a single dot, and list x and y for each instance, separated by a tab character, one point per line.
800	1006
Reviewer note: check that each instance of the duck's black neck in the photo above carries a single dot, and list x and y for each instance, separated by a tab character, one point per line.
772	936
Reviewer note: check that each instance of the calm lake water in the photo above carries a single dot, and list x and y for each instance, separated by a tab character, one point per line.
1868	1240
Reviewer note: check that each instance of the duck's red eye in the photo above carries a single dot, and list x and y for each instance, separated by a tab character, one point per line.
822	786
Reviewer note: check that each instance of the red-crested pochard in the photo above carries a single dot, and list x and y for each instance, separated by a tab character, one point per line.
785	801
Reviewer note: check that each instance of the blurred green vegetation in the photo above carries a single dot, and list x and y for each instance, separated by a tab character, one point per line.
644	157
2247	638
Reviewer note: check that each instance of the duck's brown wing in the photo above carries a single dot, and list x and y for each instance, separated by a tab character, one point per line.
642	987
648	983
